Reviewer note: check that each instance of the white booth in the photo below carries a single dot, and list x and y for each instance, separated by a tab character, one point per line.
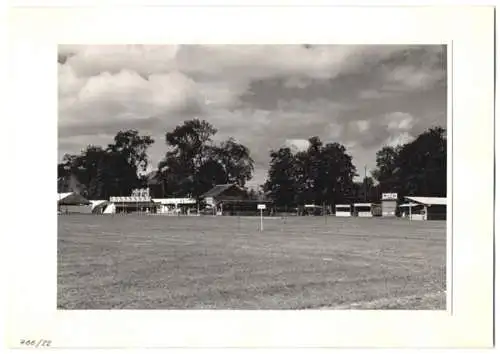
343	210
412	211
389	204
175	206
363	210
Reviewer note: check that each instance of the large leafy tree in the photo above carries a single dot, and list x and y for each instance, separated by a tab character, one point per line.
337	173
422	164
132	148
367	190
416	168
320	174
385	172
236	161
282	177
100	173
194	163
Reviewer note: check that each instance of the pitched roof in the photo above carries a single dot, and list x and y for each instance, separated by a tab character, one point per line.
407	205
363	204
218	190
130	199
61	196
428	200
71	198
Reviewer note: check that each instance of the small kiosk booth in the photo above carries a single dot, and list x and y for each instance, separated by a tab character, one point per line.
363	210
412	211
389	204
343	210
312	209
426	208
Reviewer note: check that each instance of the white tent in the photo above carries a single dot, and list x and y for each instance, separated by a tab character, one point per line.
71	198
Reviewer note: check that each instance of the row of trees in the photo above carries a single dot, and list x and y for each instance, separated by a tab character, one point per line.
194	163
416	168
321	174
99	173
324	173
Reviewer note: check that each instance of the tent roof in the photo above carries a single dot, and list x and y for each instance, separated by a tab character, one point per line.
130	199
71	198
99	204
428	200
218	190
174	200
362	204
407	205
96	203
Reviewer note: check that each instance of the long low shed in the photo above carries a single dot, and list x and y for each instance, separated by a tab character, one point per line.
174	205
430	208
132	204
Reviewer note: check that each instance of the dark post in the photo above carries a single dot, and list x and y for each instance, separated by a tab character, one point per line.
365	185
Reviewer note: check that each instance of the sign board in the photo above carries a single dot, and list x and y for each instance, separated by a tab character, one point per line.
389	196
140	192
261	206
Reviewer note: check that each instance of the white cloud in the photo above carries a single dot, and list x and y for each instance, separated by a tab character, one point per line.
125	95
144	59
414	78
334	130
399	121
363	125
297	144
399	139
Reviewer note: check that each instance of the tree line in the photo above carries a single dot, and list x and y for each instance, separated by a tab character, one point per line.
194	163
324	173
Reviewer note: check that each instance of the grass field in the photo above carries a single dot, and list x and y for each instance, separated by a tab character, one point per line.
162	262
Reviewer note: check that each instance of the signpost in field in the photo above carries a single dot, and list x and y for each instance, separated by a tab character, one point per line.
261	207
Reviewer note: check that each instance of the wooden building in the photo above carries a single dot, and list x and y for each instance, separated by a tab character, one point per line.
231	199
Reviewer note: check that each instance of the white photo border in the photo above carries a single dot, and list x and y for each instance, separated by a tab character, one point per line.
34	35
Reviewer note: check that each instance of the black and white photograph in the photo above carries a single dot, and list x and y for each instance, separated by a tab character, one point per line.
252	177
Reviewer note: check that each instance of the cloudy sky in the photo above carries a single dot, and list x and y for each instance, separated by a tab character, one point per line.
266	96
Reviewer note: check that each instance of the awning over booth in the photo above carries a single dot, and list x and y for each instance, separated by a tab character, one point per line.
427	200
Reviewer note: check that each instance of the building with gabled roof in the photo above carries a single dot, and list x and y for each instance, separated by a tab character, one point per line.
424	208
231	199
224	192
72	202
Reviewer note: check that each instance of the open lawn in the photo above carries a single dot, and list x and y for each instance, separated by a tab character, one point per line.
224	262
